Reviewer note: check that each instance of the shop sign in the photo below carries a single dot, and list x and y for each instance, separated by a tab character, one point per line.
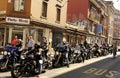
17	20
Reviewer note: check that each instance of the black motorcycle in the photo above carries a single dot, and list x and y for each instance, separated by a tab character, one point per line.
61	57
31	63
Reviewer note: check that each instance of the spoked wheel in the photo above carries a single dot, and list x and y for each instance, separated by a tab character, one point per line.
71	59
3	65
16	71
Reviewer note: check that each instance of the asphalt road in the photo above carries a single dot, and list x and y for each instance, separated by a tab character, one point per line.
102	67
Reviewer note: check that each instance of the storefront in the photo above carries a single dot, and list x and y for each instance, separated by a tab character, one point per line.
75	36
57	37
11	27
53	33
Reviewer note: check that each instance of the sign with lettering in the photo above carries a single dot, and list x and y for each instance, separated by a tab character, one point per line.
17	20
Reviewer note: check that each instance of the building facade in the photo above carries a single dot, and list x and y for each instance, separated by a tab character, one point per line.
110	10
77	12
14	20
96	21
33	17
116	35
49	22
92	17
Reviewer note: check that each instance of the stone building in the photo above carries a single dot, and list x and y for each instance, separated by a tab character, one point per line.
116	34
110	10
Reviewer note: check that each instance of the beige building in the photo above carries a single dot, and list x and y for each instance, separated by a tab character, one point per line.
48	19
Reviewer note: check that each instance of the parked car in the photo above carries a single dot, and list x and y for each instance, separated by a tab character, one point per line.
118	48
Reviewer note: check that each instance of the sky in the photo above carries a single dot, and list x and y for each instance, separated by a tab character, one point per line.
116	3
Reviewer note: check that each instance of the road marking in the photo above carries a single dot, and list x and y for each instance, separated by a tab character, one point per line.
91	70
111	74
99	72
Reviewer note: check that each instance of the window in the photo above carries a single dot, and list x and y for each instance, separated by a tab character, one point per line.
58	13
44	9
19	5
40	34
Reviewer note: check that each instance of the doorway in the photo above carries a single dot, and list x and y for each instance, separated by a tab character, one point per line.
17	33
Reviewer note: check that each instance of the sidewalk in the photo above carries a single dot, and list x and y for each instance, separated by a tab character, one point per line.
59	71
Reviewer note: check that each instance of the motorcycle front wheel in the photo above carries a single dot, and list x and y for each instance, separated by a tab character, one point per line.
3	65
16	71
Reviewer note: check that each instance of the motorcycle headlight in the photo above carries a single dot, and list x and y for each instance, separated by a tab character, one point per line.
1	52
8	53
5	52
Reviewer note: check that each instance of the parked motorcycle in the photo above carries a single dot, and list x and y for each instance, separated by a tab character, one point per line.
9	57
31	63
61	56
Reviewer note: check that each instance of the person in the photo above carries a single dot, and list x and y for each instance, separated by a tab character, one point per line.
85	44
96	52
15	41
44	46
114	50
19	43
31	43
20	49
63	48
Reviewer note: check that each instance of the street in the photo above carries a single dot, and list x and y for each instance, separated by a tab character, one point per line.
101	67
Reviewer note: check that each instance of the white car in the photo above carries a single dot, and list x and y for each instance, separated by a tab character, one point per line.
118	48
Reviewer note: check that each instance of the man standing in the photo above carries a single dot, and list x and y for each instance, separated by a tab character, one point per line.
114	50
31	43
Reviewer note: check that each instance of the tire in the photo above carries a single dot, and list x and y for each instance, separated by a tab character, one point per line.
16	71
3	65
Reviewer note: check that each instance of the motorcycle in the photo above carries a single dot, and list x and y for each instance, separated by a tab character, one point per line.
61	57
9	58
31	63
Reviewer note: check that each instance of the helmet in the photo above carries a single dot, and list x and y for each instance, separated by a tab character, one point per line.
20	41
